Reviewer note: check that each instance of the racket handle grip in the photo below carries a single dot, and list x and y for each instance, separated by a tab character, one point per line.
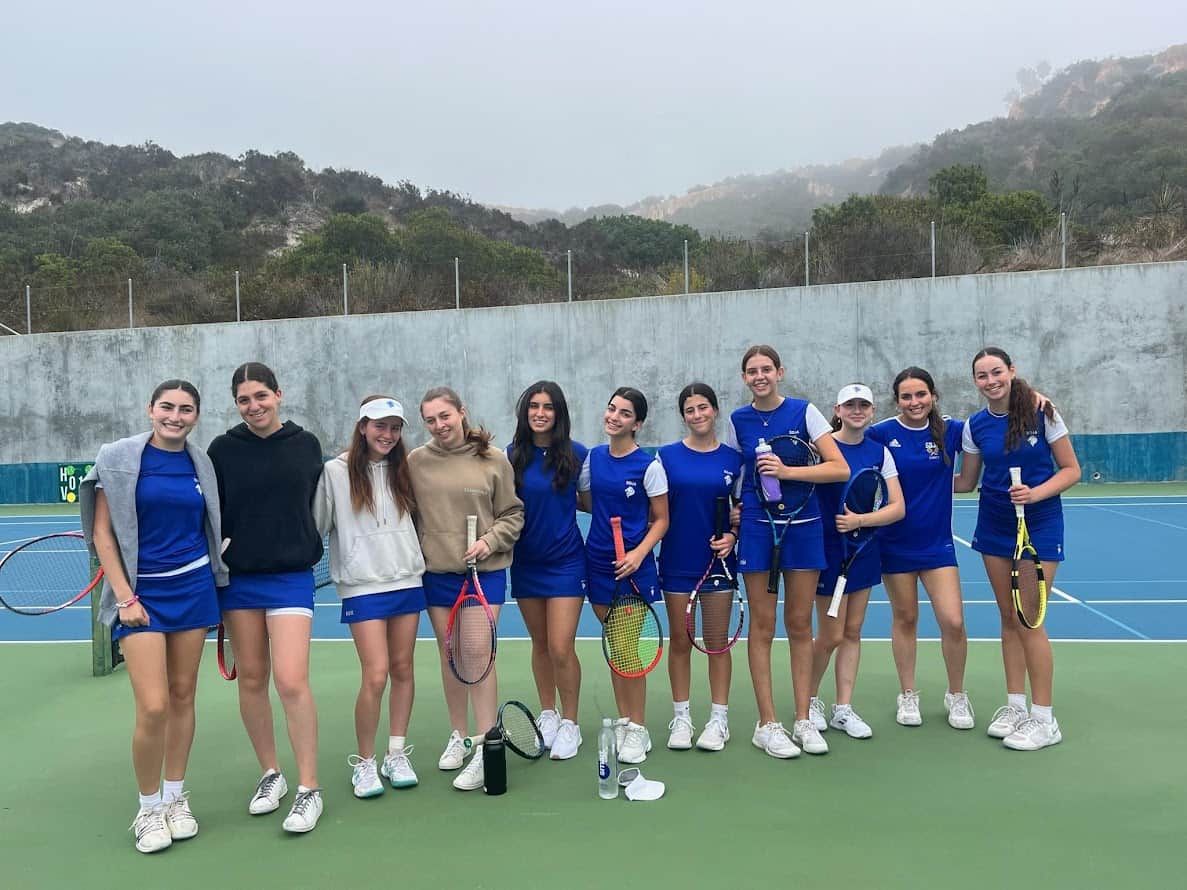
616	532
834	605
471	531
1016	479
721	516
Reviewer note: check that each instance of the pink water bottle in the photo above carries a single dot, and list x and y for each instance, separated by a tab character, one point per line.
771	490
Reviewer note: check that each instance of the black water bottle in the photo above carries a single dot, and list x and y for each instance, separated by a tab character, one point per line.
494	763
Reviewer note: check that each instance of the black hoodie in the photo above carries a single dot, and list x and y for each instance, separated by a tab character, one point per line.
266	487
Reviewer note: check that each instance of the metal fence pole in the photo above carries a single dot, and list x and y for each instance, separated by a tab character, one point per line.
457	284
686	265
345	293
933	248
130	324
805	259
238	317
1063	239
569	255
28	309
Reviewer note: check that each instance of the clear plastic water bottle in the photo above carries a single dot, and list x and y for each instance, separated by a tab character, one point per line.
771	490
607	762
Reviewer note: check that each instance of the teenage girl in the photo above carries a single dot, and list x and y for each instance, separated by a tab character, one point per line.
548	574
1012	432
268	470
770	414
150	513
700	469
853	412
621	479
454	475
364	503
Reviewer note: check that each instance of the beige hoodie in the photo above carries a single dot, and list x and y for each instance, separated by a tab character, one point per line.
451	484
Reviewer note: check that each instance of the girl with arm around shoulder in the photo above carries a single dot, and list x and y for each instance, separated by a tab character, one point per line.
621	479
268	471
770	414
1018	429
150	512
454	475
364	503
548	574
853	412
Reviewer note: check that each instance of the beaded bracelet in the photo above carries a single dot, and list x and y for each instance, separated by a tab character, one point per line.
132	600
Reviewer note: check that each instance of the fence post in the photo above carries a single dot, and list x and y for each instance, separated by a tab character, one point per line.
1063	239
457	284
933	248
569	256
130	323
686	265
345	293
28	309
238	317
805	259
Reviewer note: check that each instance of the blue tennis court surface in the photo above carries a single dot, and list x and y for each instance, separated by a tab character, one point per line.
1122	580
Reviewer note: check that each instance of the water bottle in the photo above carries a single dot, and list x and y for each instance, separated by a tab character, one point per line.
494	763
771	490
607	762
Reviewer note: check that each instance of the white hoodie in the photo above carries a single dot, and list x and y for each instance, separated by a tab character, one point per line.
369	552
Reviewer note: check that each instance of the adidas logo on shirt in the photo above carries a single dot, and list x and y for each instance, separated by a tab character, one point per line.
894	443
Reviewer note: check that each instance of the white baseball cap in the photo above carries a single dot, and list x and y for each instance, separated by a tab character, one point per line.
854	391
377	409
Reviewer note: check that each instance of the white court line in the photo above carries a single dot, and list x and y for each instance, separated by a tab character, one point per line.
971	503
1182	528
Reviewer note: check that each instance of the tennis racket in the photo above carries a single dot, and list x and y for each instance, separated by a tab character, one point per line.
47	574
716	610
794	496
518	728
226	654
632	640
1027	584
471	637
865	493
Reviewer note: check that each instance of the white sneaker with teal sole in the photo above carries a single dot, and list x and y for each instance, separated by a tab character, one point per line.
397	768
364	776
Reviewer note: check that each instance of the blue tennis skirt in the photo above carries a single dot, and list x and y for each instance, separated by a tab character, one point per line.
377	606
863	574
541	580
602	584
803	546
181	602
441	588
268	590
901	562
997	530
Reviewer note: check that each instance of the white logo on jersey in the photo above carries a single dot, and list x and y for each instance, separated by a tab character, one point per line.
729	478
1033	440
630	489
931	448
894	443
197	485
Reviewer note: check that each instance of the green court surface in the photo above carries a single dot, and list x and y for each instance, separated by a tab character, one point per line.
917	807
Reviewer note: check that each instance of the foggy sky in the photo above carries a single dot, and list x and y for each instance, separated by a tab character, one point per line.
546	104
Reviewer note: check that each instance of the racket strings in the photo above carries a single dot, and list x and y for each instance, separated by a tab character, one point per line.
519	729
45	573
632	635
717	617
471	641
1029	589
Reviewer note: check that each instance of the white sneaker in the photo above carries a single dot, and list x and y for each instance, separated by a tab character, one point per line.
620	732
305	812
846	719
152	833
816	714
364	776
455	752
680	732
473	776
808	737
549	722
1031	735
567	741
908	709
179	819
715	735
773	738
397	768
1005	721
635	744
270	790
960	710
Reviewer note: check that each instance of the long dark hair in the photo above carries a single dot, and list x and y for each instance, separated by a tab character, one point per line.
399	480
935	422
559	457
176	383
1020	411
637	399
476	436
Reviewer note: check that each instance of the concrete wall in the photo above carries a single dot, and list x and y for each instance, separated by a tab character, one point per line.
1109	345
